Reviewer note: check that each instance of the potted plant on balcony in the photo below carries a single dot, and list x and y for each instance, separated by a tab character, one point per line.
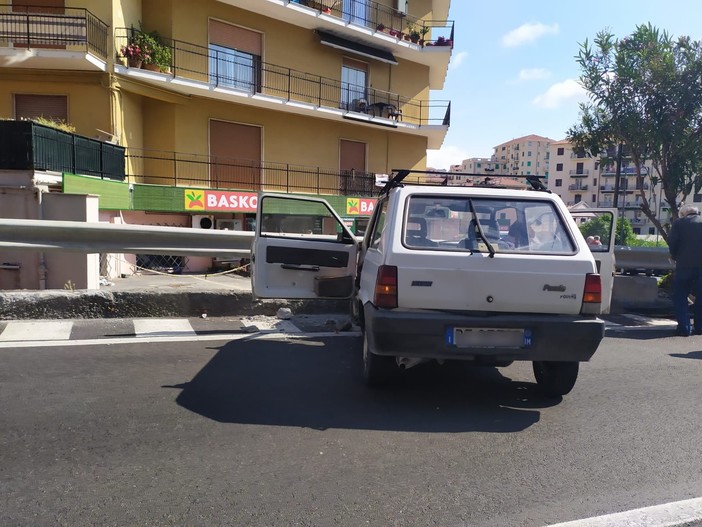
152	43
162	57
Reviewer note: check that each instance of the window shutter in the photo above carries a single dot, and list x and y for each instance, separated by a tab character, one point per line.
53	107
234	37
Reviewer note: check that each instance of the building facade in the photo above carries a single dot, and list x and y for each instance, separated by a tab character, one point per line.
216	100
579	178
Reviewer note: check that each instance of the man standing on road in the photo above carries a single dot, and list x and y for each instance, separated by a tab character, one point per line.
685	245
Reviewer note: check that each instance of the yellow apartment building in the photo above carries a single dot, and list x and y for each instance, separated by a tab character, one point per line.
215	100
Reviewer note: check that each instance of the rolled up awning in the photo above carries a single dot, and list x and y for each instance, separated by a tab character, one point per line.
356	48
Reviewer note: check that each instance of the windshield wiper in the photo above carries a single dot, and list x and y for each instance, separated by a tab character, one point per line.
491	249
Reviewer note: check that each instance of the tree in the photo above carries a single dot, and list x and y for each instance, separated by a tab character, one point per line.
601	226
645	94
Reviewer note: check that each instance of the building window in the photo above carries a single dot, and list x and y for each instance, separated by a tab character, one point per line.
354	79
594	181
235	57
697	198
637	230
594	198
652	230
528	163
529	153
559	182
559	167
560	151
579	168
578	198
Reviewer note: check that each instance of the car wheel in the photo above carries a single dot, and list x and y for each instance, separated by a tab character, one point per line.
555	378
377	369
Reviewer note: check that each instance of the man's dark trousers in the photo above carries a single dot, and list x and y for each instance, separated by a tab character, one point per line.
687	280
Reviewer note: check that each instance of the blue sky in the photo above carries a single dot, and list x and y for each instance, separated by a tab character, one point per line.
513	69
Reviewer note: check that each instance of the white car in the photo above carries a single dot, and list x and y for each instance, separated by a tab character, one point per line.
482	274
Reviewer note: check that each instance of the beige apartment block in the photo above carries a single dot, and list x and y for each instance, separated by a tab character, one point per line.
579	178
524	156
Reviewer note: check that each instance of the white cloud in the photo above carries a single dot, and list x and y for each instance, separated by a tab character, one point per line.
447	156
457	60
528	33
533	74
568	91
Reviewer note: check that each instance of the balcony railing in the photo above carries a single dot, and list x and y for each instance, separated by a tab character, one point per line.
52	28
383	18
577	187
625	171
579	172
196	170
230	70
30	146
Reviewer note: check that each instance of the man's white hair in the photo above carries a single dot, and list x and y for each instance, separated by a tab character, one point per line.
688	210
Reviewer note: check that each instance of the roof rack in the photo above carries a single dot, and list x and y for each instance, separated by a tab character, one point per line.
401	173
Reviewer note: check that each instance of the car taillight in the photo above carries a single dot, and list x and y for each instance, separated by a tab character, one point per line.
386	287
592	294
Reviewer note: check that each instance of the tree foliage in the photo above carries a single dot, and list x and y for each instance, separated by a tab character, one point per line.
645	93
601	226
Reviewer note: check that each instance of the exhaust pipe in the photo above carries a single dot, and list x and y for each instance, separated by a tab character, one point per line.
405	363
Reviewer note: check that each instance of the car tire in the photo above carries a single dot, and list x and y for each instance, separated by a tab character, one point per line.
377	369
555	379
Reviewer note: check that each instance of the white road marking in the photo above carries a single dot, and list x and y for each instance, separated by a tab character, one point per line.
31	330
674	514
162	327
194	338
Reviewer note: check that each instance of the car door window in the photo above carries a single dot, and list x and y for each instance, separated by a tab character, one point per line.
379	226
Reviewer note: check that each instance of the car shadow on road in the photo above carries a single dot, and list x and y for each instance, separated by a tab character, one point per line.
641	334
317	384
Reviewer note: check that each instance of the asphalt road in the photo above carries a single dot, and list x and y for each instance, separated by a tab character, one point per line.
281	432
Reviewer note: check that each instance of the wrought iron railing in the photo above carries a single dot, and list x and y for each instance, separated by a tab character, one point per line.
379	17
196	170
53	28
225	69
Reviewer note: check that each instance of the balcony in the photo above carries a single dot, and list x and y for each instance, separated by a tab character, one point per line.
211	73
629	204
368	23
577	187
195	170
31	146
608	171
52	38
579	172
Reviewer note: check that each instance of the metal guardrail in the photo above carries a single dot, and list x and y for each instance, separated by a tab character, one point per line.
648	260
53	28
45	235
249	74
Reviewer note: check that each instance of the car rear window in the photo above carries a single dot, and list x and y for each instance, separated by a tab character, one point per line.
509	225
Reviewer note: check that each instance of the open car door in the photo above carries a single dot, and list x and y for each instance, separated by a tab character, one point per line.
599	228
302	249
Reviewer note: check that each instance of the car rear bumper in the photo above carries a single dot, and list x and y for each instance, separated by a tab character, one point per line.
423	334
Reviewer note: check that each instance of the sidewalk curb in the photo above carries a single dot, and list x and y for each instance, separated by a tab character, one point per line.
28	305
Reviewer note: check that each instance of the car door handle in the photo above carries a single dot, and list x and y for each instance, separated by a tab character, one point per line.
296	267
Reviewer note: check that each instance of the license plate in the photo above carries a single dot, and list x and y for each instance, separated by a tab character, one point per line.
488	337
